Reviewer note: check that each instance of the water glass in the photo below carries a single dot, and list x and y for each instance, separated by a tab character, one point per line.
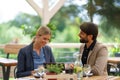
87	69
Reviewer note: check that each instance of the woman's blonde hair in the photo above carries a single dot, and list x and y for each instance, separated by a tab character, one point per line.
43	30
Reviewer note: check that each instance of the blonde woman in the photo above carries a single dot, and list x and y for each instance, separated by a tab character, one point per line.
35	54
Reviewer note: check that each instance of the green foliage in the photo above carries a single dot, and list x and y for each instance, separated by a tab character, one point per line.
31	30
111	34
56	68
53	29
64	54
70	34
66	21
108	9
2	54
27	19
60	19
114	50
10	34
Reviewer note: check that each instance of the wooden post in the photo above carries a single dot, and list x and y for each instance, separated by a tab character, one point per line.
46	12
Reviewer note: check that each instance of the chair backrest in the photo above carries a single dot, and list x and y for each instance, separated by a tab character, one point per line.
118	55
15	70
13	48
109	66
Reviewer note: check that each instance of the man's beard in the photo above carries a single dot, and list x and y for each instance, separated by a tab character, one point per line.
83	40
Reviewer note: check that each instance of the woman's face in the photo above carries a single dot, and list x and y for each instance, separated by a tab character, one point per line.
43	39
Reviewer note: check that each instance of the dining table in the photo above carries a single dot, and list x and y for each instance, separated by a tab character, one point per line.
114	60
69	77
6	65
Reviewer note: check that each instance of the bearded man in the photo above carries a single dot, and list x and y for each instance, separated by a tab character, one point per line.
93	52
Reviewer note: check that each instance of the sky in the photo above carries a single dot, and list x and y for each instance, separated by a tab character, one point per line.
10	8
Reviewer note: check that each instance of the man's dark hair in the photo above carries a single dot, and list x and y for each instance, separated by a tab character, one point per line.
90	29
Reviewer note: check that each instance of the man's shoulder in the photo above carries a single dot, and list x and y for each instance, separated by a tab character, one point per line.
99	44
82	45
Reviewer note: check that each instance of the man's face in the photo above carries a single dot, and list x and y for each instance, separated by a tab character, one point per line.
83	37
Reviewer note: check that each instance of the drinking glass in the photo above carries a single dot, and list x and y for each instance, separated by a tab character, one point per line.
87	69
68	68
40	71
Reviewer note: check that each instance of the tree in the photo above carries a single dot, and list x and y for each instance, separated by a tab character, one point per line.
108	12
109	9
27	19
65	14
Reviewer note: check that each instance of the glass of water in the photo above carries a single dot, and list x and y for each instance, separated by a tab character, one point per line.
87	69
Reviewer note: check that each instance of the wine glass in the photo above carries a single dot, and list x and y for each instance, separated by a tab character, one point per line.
87	69
69	68
40	71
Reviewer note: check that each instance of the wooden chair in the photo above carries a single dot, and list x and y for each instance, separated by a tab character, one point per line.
7	63
112	69
118	65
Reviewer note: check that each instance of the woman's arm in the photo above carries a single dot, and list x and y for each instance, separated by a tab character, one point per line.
21	71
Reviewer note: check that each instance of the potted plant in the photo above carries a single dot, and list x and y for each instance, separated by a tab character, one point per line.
54	68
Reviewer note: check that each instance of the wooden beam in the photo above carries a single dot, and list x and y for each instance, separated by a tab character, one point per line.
46	12
35	7
57	6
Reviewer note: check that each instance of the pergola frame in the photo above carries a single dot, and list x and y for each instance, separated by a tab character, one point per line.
46	12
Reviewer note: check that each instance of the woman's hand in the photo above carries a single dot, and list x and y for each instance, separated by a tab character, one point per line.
32	72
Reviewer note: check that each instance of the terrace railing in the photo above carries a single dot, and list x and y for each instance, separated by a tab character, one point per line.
63	52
